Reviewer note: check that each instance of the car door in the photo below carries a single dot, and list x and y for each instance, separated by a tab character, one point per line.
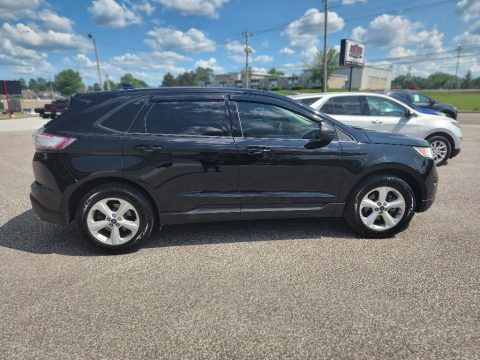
388	115
278	173
349	109
182	149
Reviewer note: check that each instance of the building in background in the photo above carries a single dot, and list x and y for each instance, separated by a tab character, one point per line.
368	77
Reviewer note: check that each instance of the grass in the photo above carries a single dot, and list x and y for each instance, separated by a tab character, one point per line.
463	100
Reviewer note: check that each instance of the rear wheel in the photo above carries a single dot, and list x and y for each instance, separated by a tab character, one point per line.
441	149
380	207
115	217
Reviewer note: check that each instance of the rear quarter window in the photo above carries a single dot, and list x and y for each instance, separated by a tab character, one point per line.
123	116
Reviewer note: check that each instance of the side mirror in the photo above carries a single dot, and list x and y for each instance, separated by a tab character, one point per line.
409	114
325	136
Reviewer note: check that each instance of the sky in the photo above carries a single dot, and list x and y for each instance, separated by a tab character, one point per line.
149	38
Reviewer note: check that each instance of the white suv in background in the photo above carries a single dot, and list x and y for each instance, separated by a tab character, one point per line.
381	112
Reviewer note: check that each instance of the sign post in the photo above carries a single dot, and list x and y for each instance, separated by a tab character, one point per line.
6	97
352	54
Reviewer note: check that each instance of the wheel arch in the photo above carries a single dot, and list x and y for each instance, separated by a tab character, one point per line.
85	187
400	172
445	135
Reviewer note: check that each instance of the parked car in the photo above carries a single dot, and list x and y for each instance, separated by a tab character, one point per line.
381	112
51	111
424	101
121	162
408	102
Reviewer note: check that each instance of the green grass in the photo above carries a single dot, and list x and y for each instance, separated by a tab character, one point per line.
463	100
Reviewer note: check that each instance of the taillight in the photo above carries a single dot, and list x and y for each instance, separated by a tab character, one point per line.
45	141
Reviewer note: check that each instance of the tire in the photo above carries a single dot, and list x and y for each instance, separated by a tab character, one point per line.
123	215
363	203
441	149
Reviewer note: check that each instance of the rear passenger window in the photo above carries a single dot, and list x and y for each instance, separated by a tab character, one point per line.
121	119
186	118
345	105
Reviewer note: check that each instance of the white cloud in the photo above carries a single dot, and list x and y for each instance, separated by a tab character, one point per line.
109	13
467	38
389	30
195	7
469	9
309	54
33	37
287	51
53	21
259	69
24	60
263	58
193	40
145	7
236	51
351	2
306	30
17	9
210	63
401	52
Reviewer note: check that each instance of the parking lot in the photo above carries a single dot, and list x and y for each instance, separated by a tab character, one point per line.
303	288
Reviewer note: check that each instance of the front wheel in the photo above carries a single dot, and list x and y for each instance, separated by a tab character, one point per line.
115	217
380	207
441	149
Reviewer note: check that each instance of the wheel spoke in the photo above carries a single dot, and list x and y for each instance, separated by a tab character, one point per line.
389	220
97	225
103	208
115	236
371	218
123	208
398	203
130	225
382	194
367	203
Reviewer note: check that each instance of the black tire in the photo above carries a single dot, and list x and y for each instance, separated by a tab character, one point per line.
441	139
352	207
142	205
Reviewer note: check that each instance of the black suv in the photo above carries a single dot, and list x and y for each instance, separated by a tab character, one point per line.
422	100
121	162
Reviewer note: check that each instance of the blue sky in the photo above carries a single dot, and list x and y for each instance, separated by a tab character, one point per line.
151	37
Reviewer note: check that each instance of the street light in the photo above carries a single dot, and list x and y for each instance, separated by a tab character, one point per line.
98	62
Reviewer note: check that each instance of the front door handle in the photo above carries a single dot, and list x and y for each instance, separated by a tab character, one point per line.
376	122
148	148
258	150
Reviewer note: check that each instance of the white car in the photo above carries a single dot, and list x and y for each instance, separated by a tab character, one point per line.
381	112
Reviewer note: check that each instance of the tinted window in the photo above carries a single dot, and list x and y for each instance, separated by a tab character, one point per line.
186	118
420	99
384	107
345	105
269	121
309	101
121	119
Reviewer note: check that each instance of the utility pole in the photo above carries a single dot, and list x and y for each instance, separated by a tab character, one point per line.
98	61
246	34
325	46
459	49
108	82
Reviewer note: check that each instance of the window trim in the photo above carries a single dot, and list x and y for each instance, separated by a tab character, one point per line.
99	122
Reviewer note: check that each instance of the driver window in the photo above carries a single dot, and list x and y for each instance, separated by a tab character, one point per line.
384	107
270	121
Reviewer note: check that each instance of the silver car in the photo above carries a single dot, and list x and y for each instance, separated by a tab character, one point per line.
381	112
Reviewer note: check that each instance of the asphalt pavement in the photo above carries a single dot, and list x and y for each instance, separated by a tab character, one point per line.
304	288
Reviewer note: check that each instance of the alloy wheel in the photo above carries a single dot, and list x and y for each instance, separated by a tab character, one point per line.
382	208
113	221
439	150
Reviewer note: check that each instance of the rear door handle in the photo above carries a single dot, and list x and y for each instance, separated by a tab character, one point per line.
258	150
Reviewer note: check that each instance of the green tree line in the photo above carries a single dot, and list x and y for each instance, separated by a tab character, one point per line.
438	80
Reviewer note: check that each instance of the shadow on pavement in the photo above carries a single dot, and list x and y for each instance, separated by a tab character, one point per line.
27	233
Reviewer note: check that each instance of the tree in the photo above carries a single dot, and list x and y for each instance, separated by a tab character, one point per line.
316	66
129	79
23	83
68	82
441	80
274	72
168	80
203	74
186	79
467	82
112	85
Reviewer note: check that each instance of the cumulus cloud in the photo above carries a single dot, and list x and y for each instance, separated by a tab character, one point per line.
401	52
34	37
263	58
306	30
287	51
193	40
389	30
109	13
210	63
17	9
53	21
351	2
24	60
236	51
195	7
468	9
